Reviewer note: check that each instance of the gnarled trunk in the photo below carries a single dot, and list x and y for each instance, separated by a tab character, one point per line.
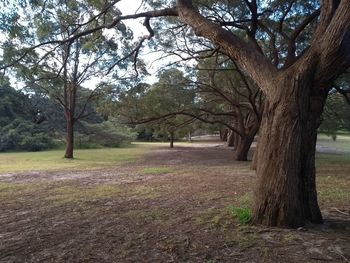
70	139
286	189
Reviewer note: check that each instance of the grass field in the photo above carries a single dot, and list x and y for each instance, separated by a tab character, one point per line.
187	204
84	158
342	142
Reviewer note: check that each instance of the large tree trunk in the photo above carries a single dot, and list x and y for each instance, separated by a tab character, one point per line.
286	189
70	139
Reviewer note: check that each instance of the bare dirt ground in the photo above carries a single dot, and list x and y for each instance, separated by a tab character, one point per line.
171	206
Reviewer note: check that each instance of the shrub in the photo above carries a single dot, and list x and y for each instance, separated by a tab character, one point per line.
24	135
243	214
107	134
36	142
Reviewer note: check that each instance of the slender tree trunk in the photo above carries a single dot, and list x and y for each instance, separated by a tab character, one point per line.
70	139
189	136
171	140
286	189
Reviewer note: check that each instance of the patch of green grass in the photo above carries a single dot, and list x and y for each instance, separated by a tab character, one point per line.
324	159
333	191
84	159
243	214
13	190
69	194
82	194
156	170
342	142
143	192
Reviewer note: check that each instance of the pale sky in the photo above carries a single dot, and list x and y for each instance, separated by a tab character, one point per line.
136	25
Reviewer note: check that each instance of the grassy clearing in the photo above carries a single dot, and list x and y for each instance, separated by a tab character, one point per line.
326	159
84	159
342	142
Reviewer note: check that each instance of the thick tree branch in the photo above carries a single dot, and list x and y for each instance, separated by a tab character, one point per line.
246	56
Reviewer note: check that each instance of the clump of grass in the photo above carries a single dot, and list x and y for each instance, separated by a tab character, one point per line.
156	170
243	214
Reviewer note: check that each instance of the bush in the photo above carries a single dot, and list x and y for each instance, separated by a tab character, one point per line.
243	214
106	134
37	142
24	135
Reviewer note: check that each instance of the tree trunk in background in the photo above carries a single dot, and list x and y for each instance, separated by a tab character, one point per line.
231	139
243	147
189	136
286	189
70	139
171	140
223	135
237	140
254	163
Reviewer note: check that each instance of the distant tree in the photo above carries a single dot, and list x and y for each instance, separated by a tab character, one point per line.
61	73
227	96
336	116
157	105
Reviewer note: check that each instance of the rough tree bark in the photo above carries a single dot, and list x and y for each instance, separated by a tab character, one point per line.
286	190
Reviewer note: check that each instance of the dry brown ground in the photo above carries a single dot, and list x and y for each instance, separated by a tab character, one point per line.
171	206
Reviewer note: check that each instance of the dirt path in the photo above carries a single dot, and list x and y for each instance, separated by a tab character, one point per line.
171	206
